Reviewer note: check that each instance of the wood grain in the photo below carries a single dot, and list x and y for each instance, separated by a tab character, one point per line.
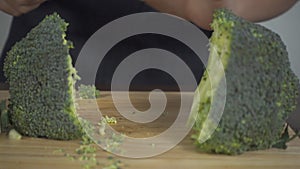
34	153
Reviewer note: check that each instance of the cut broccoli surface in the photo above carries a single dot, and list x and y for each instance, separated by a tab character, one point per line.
41	79
261	87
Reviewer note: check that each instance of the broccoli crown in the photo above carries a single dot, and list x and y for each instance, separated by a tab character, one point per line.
41	79
261	87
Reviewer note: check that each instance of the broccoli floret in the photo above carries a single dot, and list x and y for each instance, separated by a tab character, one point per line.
14	135
41	79
87	92
261	87
4	120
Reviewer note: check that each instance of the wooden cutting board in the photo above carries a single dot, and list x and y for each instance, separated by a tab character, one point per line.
33	153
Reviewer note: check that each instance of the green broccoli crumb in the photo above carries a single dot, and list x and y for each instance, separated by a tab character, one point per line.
14	135
87	92
4	119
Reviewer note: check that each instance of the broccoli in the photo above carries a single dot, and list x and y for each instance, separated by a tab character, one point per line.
261	87
41	78
4	120
87	92
14	135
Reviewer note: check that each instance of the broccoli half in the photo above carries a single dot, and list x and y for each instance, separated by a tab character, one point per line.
261	87
41	79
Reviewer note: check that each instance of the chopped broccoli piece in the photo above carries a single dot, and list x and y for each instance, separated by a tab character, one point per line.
2	105
41	79
4	120
261	87
87	92
14	135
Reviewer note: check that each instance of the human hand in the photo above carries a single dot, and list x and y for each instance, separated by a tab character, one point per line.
201	12
19	7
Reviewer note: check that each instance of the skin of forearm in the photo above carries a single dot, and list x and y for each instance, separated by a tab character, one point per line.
175	7
200	12
19	7
261	10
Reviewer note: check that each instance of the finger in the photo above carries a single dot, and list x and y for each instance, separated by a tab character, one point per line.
27	8
18	3
8	9
30	2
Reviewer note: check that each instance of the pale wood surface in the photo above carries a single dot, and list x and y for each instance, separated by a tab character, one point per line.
33	153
